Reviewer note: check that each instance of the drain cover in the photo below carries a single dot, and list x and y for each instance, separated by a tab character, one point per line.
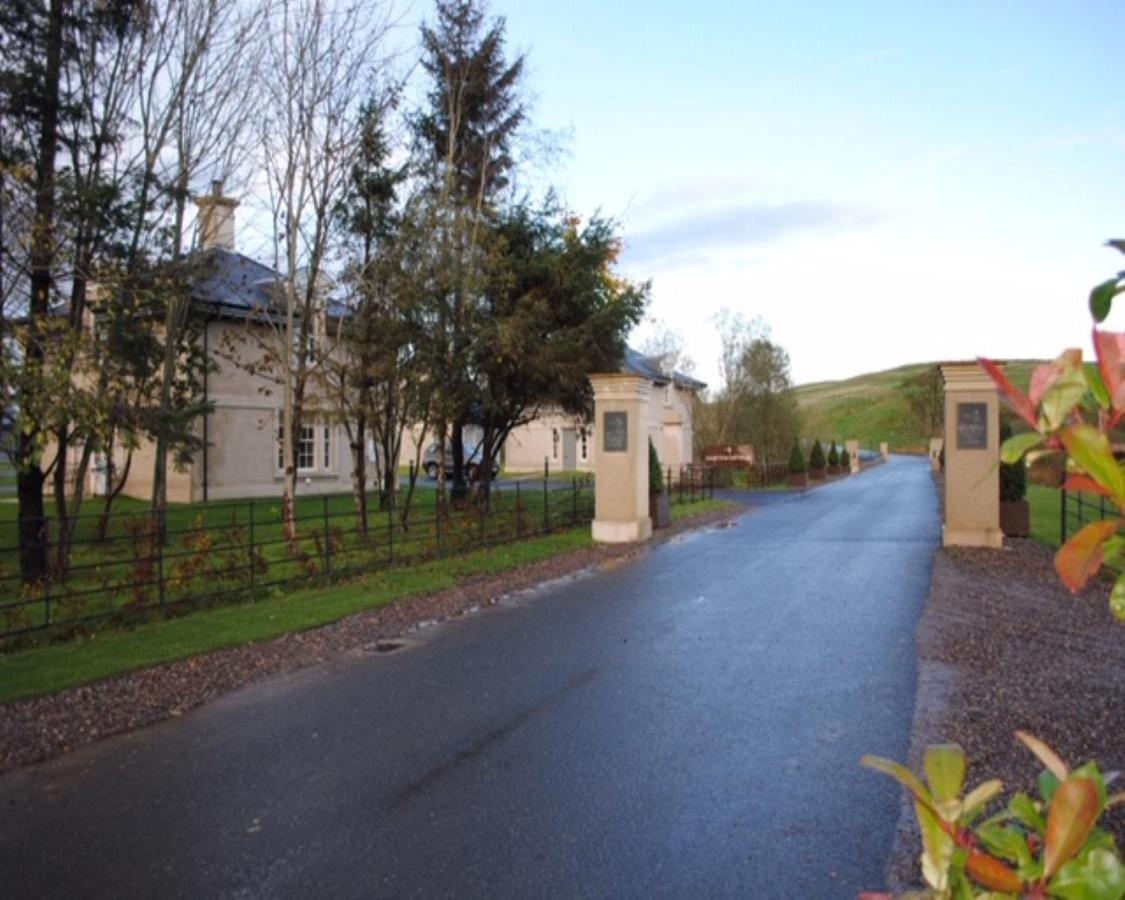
384	646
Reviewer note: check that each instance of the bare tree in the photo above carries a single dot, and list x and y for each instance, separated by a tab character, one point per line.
737	333
669	347
320	60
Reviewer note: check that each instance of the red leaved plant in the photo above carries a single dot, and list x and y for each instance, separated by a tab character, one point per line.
1029	849
1053	409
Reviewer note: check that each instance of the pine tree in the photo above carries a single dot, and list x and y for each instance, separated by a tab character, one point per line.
474	105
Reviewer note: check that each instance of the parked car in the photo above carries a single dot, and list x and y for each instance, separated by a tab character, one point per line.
472	461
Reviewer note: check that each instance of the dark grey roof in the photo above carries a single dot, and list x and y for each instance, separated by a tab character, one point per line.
238	283
636	363
232	280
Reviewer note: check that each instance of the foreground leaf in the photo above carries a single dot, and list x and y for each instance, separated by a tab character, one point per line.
1016	399
1109	347
1074	809
944	765
1099	875
1080	557
1083	484
1101	299
1117	598
990	872
1090	449
901	774
1023	808
1013	449
1050	759
980	795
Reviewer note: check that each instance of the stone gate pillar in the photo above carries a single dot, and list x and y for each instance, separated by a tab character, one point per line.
621	458
853	455
972	456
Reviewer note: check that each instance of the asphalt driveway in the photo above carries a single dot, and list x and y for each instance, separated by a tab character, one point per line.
687	723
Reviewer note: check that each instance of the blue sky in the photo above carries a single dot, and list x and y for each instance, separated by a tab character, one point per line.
882	183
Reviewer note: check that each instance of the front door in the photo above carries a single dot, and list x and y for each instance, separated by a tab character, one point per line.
570	449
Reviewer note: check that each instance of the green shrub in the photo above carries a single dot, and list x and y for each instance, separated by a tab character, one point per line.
833	455
655	476
845	458
796	459
1013	476
1029	848
816	456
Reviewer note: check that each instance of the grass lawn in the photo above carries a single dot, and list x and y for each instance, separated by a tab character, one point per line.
231	547
53	667
1044	505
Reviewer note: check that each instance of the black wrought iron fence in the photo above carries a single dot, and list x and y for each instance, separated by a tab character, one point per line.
142	565
691	483
1077	508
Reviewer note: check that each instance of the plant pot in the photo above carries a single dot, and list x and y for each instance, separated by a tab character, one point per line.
659	510
833	471
816	474
1015	518
798	479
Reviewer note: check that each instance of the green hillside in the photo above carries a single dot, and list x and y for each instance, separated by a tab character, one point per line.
872	408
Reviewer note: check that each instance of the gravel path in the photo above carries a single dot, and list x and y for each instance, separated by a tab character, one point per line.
43	727
1002	645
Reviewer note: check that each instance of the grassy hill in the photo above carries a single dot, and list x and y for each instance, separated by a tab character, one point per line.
872	408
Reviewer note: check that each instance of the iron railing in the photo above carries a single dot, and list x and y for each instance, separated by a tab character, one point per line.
1077	508
150	565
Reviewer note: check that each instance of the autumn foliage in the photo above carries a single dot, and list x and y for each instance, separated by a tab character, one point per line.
1072	409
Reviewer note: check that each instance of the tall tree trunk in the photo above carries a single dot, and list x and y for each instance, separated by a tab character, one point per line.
359	473
456	439
30	478
115	488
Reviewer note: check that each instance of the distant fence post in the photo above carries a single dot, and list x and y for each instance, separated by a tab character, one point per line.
253	554
158	538
437	519
546	498
327	537
391	531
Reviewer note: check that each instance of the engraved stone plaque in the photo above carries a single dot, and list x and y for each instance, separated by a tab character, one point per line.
972	426
615	427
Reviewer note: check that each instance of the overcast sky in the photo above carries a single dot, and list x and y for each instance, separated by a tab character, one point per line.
882	183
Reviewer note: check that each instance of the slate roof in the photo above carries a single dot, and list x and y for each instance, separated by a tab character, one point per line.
636	363
231	280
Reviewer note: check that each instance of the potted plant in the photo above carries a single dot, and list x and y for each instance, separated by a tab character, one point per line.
833	460
798	474
658	509
816	462
1015	515
845	461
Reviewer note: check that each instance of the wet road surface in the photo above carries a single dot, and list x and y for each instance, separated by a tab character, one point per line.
687	723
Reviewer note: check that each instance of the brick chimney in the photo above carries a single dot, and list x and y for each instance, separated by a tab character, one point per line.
216	218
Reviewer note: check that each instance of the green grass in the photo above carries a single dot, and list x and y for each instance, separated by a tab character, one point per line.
50	668
683	510
208	549
870	408
1043	503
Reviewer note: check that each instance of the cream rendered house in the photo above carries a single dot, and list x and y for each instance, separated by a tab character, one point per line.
567	443
241	453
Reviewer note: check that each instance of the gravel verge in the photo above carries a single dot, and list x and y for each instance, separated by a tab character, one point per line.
1002	645
40	728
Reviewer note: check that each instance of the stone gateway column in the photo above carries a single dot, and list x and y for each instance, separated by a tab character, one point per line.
853	455
621	458
972	456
